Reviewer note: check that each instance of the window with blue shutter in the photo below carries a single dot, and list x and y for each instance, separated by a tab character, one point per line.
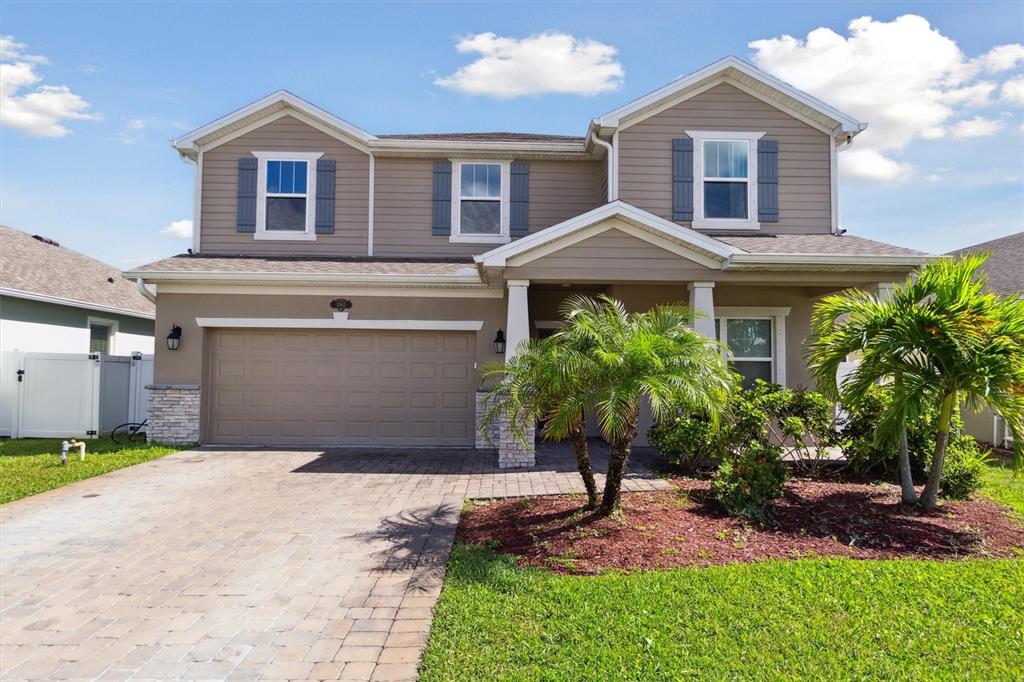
246	214
682	179
768	181
520	200
442	204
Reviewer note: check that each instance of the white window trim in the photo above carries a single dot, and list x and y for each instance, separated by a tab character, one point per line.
699	138
778	317
309	234
112	342
504	236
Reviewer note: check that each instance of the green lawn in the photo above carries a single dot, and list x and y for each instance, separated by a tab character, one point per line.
32	465
1003	486
811	619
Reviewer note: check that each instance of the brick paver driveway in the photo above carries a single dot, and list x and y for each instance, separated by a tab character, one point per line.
233	565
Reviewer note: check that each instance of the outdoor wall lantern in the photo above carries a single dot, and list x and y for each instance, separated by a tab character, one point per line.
174	338
499	342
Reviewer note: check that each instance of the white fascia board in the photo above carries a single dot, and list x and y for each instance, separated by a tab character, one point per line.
187	142
57	300
612	119
338	323
499	256
767	261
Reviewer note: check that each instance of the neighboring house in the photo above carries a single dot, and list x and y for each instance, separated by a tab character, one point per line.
720	189
55	300
1005	277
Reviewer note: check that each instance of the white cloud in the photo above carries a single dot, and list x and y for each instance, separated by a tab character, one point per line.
13	51
903	77
870	164
29	106
179	229
549	62
1013	91
1000	58
975	127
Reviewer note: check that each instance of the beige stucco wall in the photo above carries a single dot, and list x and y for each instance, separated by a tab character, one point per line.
645	156
184	366
220	189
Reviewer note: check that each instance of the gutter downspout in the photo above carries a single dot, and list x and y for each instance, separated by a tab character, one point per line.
141	285
613	190
837	228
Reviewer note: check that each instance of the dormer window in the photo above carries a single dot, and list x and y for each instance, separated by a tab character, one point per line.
725	179
286	195
480	192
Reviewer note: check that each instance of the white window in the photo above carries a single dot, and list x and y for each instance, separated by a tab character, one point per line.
756	339
286	195
725	179
480	202
101	335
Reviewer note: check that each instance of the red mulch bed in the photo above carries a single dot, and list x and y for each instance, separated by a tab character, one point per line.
684	527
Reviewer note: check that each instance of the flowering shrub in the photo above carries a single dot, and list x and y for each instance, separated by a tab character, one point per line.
746	483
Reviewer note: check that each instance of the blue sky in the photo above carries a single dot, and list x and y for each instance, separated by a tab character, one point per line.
941	168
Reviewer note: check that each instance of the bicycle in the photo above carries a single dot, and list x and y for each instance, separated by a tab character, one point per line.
126	433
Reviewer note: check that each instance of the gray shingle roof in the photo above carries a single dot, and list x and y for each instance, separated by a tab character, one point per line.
1005	265
484	137
36	267
808	244
297	265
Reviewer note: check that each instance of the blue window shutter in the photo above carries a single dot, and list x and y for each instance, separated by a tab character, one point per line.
682	179
768	181
325	196
246	221
442	214
519	197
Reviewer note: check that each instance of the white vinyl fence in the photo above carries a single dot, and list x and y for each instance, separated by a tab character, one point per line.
59	395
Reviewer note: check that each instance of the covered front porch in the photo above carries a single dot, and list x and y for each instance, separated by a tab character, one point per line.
758	305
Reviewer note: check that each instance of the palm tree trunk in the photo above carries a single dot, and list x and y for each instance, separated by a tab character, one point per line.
618	458
579	446
930	496
908	494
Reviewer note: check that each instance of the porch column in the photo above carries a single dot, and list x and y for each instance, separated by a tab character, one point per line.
885	290
517	328
702	302
512	452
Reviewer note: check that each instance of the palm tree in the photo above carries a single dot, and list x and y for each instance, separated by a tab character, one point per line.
622	358
541	382
941	339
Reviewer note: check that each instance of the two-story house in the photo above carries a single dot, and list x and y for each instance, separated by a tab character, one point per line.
719	190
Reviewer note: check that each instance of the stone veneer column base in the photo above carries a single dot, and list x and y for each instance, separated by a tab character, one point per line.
489	440
512	453
173	414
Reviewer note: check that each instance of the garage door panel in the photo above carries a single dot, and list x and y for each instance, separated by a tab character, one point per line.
341	387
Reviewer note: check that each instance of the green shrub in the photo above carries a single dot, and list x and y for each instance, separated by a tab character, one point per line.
963	468
746	483
685	441
867	457
801	422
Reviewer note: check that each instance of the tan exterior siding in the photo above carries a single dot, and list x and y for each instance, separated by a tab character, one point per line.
220	186
184	366
559	190
609	256
645	156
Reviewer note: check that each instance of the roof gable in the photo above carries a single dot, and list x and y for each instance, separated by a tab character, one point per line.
615	215
256	114
744	76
